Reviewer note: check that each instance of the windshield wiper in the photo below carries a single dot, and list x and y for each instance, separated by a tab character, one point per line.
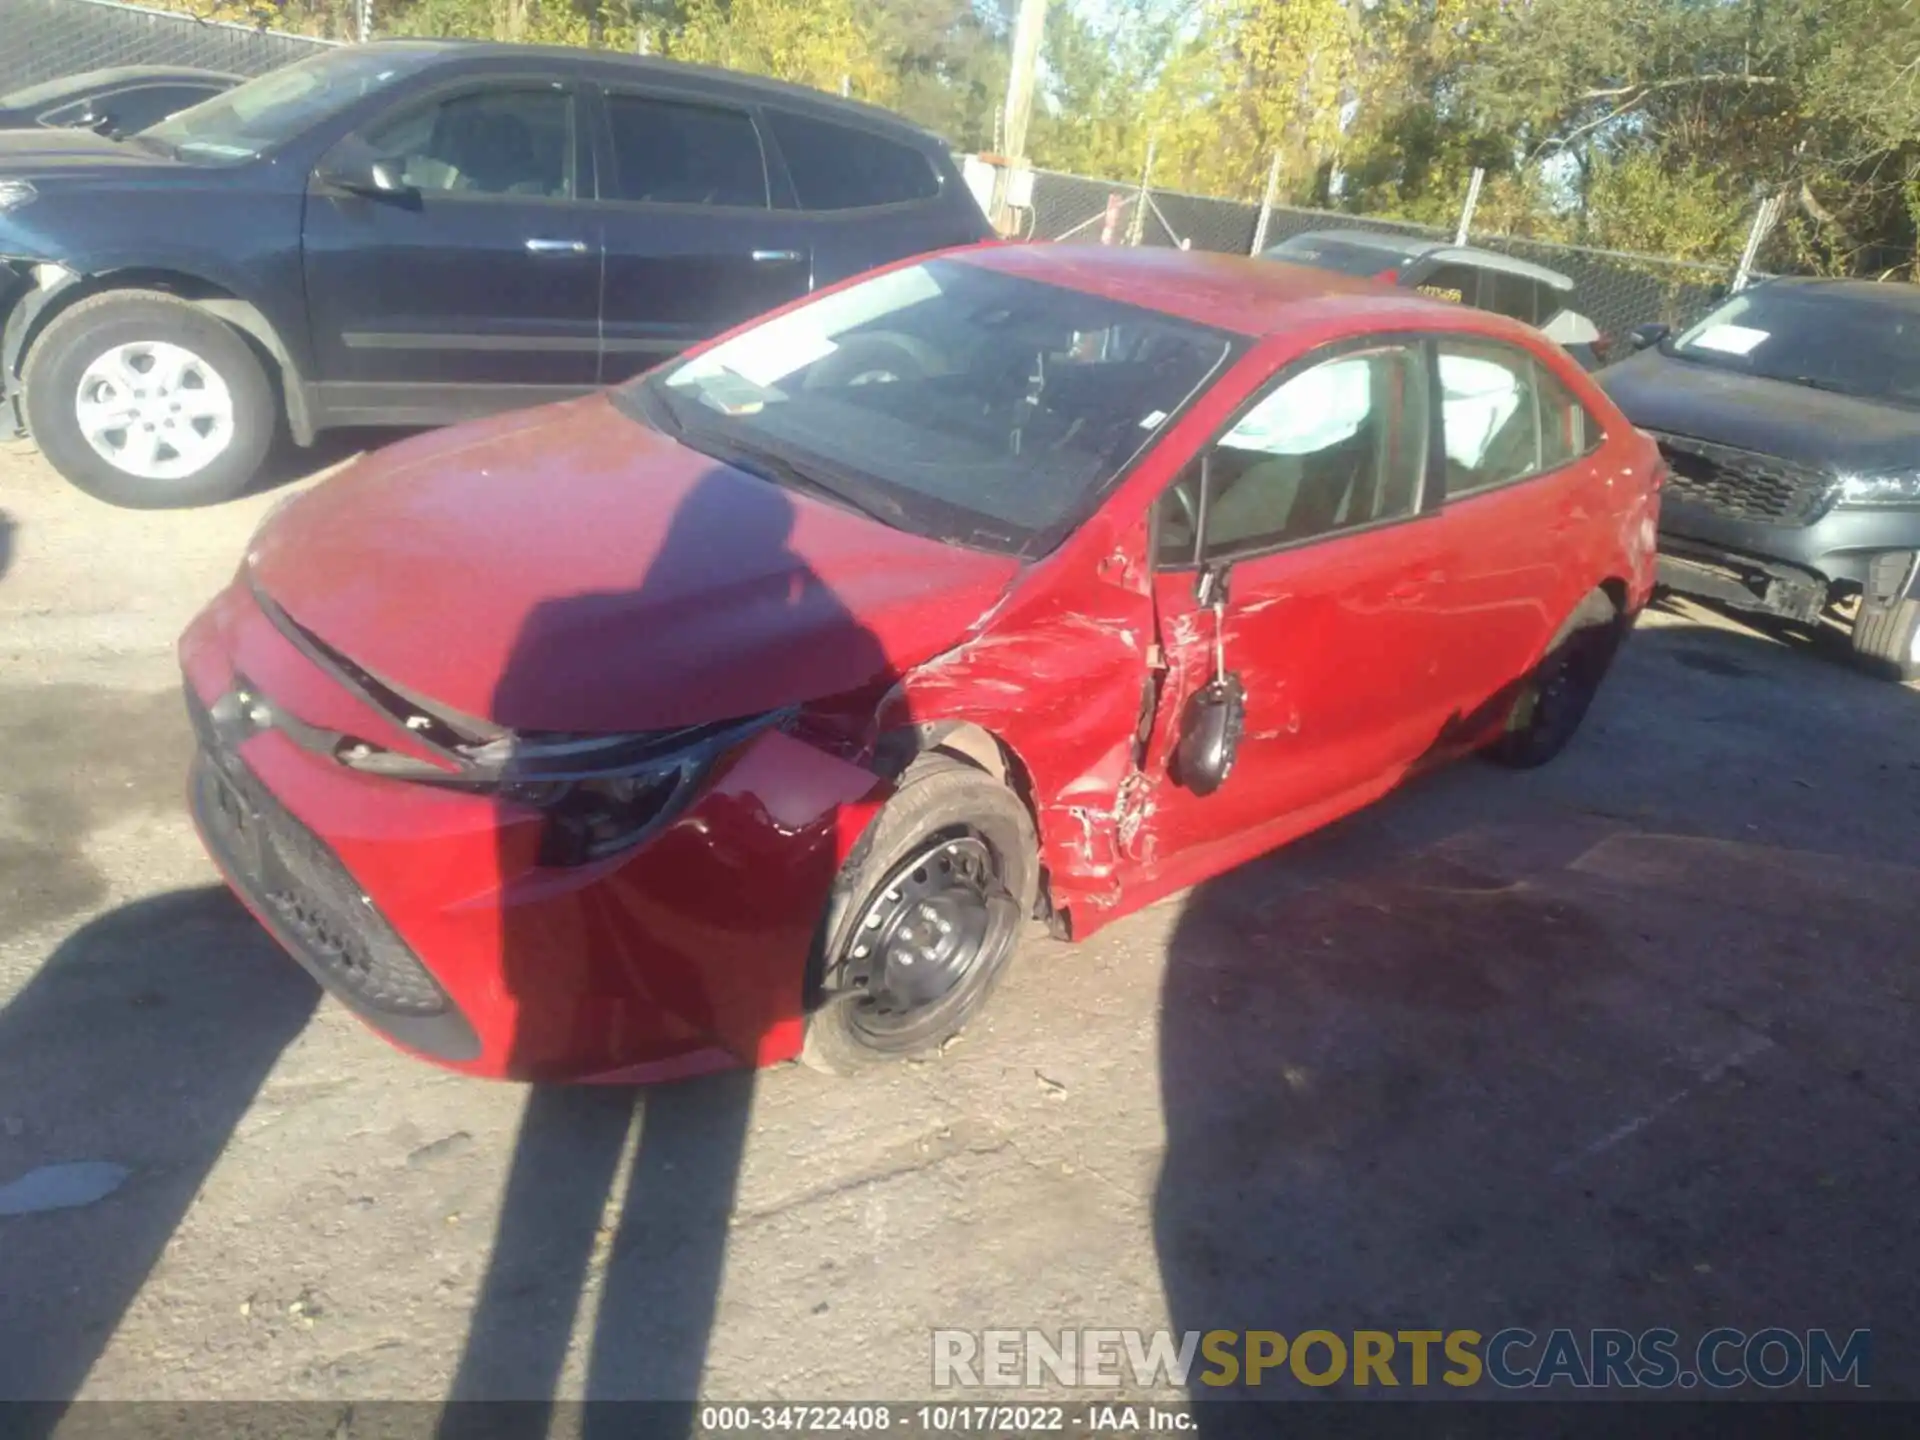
1817	382
778	470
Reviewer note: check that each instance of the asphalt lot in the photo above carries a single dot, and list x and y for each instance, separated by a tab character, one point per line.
1628	1041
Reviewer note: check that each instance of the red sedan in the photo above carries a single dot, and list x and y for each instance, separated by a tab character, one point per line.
757	707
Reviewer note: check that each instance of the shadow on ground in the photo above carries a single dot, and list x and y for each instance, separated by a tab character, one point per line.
1491	1055
137	1047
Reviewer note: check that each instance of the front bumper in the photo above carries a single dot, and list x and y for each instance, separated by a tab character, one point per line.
426	912
1788	570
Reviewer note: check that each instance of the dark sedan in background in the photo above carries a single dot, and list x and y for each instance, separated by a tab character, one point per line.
1790	418
118	101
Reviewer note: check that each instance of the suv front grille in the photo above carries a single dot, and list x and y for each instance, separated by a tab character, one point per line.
290	875
1743	484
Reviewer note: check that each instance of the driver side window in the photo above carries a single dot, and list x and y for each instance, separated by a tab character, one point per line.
484	142
1337	447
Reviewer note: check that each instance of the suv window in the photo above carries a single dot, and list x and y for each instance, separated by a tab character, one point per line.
131	109
670	152
1331	449
838	167
1458	283
484	142
1515	296
1505	418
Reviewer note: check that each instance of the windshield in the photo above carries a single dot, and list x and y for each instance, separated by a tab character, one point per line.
1813	336
262	114
1342	255
945	398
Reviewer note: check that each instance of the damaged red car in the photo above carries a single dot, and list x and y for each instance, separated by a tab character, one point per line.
757	708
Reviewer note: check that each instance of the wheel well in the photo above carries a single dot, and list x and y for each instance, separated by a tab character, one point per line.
1616	591
217	301
982	749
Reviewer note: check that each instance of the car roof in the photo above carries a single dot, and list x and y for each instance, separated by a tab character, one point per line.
744	88
1878	292
1414	247
1255	297
42	91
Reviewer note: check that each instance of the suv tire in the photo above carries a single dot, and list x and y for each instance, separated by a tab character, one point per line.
1886	638
144	401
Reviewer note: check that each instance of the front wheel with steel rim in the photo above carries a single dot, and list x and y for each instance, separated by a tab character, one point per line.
923	918
143	400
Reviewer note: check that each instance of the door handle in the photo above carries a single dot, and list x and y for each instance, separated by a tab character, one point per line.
557	247
774	257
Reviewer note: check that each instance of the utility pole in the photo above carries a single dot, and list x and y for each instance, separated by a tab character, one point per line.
1029	28
1466	210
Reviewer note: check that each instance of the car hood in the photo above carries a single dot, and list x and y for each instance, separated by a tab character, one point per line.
570	568
42	154
1773	417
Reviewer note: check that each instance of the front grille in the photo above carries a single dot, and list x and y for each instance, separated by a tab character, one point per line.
1742	484
290	875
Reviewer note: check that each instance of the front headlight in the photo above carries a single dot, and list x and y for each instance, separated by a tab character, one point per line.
16	193
1897	487
603	794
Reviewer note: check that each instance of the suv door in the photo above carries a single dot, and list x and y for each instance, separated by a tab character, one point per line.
693	244
1316	498
480	287
1523	494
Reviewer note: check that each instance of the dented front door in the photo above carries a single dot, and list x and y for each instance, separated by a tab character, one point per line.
1336	578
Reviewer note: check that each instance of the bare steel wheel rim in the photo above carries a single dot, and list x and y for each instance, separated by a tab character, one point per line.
154	410
941	917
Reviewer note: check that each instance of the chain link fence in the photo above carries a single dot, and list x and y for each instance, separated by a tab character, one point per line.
1617	291
46	39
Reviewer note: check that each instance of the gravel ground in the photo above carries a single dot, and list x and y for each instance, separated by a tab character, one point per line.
1626	1041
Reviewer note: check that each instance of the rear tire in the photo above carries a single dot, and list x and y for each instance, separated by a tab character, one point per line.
1556	697
923	919
144	401
1886	639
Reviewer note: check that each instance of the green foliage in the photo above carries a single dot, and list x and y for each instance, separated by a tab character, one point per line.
1647	125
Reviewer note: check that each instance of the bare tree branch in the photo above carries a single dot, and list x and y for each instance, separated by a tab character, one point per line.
1678	82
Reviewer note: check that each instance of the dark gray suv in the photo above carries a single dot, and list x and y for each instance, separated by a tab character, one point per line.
1790	420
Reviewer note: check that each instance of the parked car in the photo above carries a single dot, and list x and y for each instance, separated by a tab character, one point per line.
755	707
1462	274
1791	419
413	232
118	101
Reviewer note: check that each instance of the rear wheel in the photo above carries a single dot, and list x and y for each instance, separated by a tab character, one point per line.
923	919
144	401
1556	697
1886	638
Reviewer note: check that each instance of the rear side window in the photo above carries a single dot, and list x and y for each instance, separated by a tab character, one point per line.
1459	284
1514	296
837	167
667	152
1567	429
1505	418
